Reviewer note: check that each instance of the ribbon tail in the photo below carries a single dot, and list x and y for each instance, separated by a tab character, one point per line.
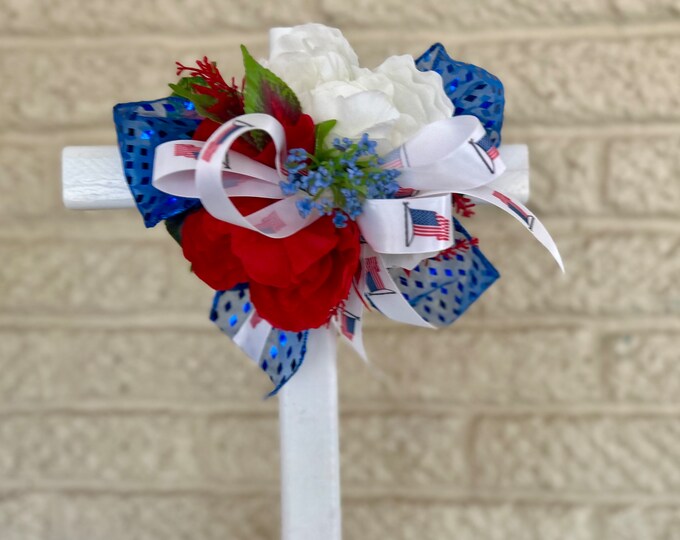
282	355
252	336
279	353
380	290
442	288
349	323
521	213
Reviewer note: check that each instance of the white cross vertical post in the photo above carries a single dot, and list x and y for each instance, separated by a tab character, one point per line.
308	405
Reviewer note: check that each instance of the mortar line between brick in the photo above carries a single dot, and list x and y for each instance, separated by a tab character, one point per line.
515	132
351	407
600	32
505	495
351	493
555	33
611	130
198	321
169	42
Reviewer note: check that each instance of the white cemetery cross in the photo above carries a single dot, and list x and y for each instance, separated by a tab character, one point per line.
93	179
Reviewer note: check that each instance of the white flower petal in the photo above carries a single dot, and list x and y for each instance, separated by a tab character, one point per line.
390	103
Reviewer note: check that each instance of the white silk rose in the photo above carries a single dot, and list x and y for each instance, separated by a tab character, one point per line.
390	103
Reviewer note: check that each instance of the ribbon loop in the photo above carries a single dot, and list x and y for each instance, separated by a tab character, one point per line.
407	226
449	155
278	220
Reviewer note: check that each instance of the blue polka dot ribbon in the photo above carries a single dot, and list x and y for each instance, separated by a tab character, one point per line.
141	127
279	353
471	89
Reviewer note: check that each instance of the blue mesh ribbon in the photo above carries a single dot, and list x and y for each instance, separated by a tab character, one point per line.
442	288
471	89
283	351
141	126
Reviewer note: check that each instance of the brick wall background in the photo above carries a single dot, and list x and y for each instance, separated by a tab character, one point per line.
551	411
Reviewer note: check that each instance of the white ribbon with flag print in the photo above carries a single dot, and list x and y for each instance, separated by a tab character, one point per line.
449	156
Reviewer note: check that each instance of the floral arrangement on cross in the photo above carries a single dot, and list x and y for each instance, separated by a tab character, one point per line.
319	189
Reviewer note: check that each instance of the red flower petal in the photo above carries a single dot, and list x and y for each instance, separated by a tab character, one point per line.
206	243
310	302
295	283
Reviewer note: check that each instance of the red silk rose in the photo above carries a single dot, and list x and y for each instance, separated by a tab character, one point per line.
295	282
206	242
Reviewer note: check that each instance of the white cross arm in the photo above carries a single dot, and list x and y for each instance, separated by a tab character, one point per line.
93	177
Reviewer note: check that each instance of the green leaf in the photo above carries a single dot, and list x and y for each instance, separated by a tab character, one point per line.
264	92
321	132
174	227
184	89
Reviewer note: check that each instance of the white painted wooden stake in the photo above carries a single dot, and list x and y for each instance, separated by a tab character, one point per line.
93	178
310	456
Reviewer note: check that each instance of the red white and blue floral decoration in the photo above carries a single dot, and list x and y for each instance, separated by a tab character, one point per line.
314	190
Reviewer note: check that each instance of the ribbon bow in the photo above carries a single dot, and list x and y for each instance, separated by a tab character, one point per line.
409	270
449	156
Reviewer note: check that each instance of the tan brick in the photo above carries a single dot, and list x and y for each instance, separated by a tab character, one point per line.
27	181
644	368
608	273
390	450
590	454
489	14
403	450
636	522
643	176
25	517
22	357
422	520
176	517
199	367
244	449
454	365
151	449
565	176
584	82
127	366
55	277
79	87
555	88
177	18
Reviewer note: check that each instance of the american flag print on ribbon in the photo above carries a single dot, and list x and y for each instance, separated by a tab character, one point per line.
524	216
348	324
374	281
272	223
185	150
393	160
425	223
404	192
213	145
487	152
255	320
